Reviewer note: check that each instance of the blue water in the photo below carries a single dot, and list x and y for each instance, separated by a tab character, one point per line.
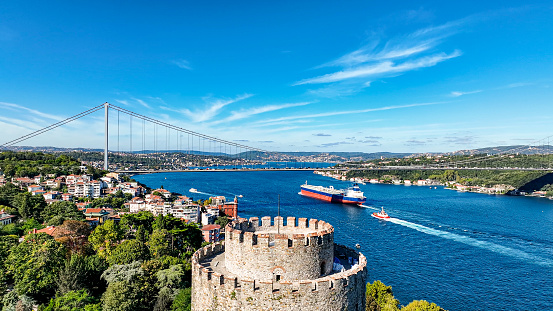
463	251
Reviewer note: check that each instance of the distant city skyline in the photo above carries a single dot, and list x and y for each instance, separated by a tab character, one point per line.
286	76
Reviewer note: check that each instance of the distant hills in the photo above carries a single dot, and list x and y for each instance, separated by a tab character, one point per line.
337	156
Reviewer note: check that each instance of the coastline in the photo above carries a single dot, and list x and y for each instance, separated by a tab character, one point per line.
496	190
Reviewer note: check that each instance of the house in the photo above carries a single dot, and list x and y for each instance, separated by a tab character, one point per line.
52	195
32	188
136	205
164	193
5	218
48	230
53	183
211	233
83	205
99	213
113	175
67	196
38	192
189	213
230	208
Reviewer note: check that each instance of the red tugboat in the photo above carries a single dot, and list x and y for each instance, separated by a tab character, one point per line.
380	215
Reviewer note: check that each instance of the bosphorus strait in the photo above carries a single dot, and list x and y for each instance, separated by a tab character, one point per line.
461	250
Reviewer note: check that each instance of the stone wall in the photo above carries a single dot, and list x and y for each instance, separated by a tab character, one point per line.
338	291
288	252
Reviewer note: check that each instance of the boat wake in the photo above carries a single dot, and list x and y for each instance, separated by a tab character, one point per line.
200	192
371	207
474	242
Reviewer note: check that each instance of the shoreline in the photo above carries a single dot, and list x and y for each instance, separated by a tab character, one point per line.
502	190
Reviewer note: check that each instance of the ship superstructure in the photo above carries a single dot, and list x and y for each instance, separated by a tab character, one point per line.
351	195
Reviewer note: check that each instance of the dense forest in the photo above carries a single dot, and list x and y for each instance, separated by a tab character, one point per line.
22	164
141	263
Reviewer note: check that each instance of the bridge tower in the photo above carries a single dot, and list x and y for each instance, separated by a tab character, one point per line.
106	166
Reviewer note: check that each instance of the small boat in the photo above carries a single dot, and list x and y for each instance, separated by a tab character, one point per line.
357	246
240	196
380	215
193	190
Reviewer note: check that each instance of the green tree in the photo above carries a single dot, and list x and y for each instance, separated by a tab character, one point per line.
126	288
11	229
173	277
104	238
380	297
29	225
64	210
6	244
133	221
7	195
29	206
35	264
164	299
73	301
222	221
160	243
122	296
421	305
82	272
129	251
123	273
183	300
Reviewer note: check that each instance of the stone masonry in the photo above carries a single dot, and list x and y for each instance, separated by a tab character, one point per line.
278	266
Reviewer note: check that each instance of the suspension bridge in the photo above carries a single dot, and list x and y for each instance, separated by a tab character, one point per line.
155	145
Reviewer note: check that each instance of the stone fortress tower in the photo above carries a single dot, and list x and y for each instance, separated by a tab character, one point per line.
278	266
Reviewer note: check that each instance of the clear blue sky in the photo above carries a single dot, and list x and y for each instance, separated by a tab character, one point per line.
399	76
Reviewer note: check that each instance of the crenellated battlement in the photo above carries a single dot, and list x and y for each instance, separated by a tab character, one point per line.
271	264
276	233
336	281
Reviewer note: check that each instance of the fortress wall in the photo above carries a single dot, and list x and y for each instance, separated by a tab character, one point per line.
292	251
340	291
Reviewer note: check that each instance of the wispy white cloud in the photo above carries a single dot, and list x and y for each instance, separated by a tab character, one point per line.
365	54
122	102
459	93
345	112
16	107
211	110
519	84
182	63
141	102
394	57
246	113
381	68
21	124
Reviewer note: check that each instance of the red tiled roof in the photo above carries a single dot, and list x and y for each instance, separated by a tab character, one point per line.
210	227
94	210
48	230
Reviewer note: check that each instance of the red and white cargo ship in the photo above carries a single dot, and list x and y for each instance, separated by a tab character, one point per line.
351	195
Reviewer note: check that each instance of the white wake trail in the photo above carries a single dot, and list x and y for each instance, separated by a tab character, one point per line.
474	242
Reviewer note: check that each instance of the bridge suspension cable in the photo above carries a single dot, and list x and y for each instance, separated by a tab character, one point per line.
180	129
51	127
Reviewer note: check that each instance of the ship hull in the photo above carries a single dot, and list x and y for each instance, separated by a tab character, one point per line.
331	197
